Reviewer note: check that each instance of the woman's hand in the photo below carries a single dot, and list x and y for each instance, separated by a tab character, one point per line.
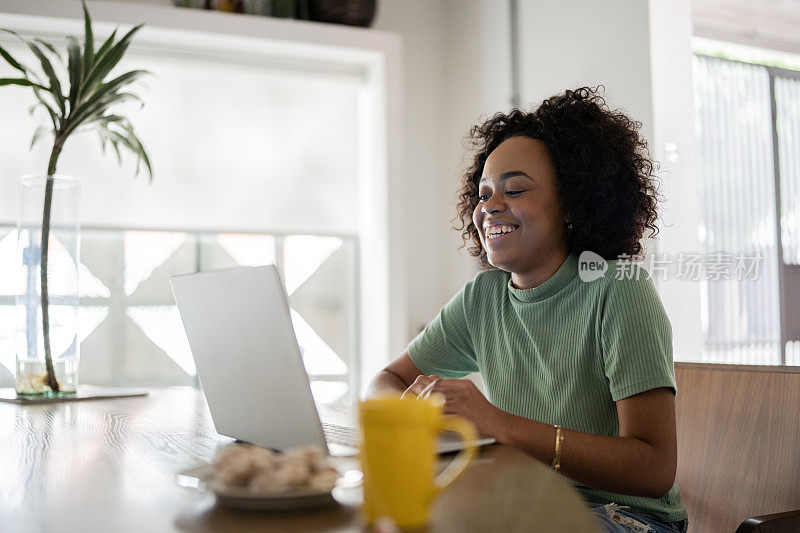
420	386
462	398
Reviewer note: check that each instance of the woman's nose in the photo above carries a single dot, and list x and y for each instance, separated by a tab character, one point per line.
494	204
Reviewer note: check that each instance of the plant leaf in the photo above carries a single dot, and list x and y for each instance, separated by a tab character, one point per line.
88	70
115	146
40	131
96	122
22	82
106	119
103	142
108	89
28	72
133	145
50	47
103	137
89	96
13	62
139	148
104	47
55	85
88	39
75	69
108	61
54	117
106	136
97	110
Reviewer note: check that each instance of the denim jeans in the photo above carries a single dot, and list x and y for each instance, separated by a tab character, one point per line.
613	518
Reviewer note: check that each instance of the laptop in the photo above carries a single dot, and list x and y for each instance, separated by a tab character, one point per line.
242	340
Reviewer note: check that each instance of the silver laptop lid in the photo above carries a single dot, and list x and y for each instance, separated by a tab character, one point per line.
243	343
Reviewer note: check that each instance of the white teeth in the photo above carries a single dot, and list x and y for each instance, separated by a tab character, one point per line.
495	231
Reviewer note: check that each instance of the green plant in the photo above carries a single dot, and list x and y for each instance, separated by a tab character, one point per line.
85	106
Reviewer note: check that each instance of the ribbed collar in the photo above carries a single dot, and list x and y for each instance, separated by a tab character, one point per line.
566	273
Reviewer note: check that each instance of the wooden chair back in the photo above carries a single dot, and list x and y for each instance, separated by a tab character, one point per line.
738	443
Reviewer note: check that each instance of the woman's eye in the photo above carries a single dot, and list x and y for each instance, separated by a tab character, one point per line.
514	193
483	197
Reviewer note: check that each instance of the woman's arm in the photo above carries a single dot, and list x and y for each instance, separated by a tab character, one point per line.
398	376
640	462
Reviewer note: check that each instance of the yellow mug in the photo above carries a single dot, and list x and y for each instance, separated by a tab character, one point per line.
398	456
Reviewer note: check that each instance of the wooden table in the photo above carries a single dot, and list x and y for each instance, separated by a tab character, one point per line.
110	465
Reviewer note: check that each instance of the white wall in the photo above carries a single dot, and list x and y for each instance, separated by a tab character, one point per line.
457	67
420	22
478	69
565	45
673	121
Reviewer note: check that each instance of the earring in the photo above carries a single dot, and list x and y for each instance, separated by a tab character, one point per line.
569	226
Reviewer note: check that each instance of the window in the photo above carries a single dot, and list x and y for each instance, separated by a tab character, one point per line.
748	134
129	327
270	141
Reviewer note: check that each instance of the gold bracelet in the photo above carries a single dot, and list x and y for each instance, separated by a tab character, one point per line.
556	464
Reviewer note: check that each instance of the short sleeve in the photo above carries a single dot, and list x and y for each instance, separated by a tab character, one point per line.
445	346
636	338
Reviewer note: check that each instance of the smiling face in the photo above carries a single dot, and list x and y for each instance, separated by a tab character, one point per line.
519	216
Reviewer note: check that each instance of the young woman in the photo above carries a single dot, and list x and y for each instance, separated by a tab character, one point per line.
579	374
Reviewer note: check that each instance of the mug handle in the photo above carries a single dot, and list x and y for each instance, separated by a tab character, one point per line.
464	457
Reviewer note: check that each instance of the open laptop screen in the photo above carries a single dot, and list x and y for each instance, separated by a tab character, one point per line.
244	347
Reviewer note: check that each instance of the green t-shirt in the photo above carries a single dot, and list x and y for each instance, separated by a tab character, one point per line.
561	353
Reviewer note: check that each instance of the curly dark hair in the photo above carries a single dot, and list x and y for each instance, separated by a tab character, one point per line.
604	175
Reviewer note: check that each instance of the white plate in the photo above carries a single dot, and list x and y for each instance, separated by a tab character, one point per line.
239	498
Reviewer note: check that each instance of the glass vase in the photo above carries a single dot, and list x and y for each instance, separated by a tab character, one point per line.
59	321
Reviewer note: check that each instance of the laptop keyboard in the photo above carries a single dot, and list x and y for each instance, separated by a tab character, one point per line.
349	436
337	434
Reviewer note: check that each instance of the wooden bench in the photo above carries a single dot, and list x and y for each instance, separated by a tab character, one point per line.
738	446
